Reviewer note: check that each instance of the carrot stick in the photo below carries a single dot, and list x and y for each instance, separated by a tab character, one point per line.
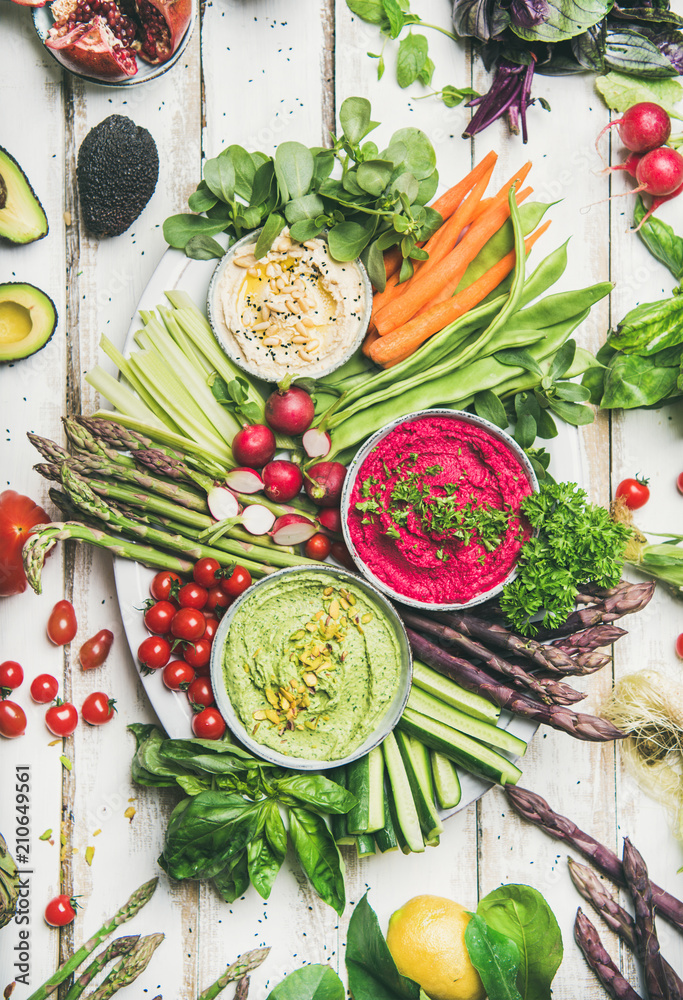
449	270
370	337
393	258
400	343
482	207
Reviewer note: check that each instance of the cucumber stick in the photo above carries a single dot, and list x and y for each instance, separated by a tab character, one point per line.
416	762
365	780
338	821
427	704
406	812
451	693
365	845
446	781
386	838
462	749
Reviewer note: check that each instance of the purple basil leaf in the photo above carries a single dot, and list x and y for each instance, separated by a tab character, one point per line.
528	13
482	19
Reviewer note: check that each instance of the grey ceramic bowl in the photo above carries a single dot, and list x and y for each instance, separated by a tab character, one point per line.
352	473
233	352
387	722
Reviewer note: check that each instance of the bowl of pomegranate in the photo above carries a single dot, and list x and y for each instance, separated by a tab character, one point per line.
431	509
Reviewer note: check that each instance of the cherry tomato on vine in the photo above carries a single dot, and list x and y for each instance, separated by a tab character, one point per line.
178	675
218	598
60	911
679	483
188	624
98	708
192	596
61	719
198	654
634	492
158	617
95	650
61	625
210	630
44	688
208	724
318	546
200	692
12	719
11	676
154	652
162	585
206	572
679	645
237	582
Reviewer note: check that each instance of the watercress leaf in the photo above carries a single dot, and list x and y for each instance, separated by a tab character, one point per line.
397	152
294	168
420	158
351	185
518	359
496	958
427	72
411	58
318	791
207	832
233	881
273	225
572	391
319	855
219	174
262	183
406	184
306	230
575	414
526	402
308	206
373	259
371	970
201	199
620	91
179	229
263	865
631	381
432	221
347	240
203	248
489	406
630	51
521	913
563	360
525	430
312	982
661	240
373	175
395	17
354	117
323	164
546	427
565	19
369	150
406	271
651	327
371	11
417	253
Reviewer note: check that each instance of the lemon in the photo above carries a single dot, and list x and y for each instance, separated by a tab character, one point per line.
426	938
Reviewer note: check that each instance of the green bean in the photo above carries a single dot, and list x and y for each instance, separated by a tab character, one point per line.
502	242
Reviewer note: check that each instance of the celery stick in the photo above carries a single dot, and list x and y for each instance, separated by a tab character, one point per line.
161	435
131	377
120	397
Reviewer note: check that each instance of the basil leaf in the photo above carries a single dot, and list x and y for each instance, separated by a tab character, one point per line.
319	855
206	831
620	92
371	11
479	18
588	49
420	158
179	229
294	167
453	96
629	51
563	360
312	982
661	240
565	19
233	881
318	791
274	829
395	17
521	913
273	225
203	248
632	381
489	406
354	117
370	968
374	175
347	240
201	199
575	414
263	865
495	957
651	327
219	174
192	785
427	72
411	59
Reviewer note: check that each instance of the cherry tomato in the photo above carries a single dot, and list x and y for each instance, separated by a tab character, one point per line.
12	719
237	582
318	547
218	598
188	624
206	572
11	676
679	645
154	652
61	625
44	688
159	616
200	692
342	555
98	708
208	724
210	630
679	483
634	492
95	650
61	719
60	911
192	596
163	585
178	675
198	654
18	514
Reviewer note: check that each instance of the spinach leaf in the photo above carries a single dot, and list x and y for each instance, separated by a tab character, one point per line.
207	832
202	199
371	970
565	19
495	957
661	240
273	225
203	248
312	982
319	855
219	174
318	791
179	229
631	381
244	165
354	118
521	913
620	91
294	168
651	327
420	158
233	881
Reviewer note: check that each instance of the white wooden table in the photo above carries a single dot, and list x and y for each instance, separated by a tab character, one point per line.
260	72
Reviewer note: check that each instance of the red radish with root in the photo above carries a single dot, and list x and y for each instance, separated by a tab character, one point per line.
644	127
660	172
257	519
317	443
324	482
282	480
330	519
254	445
289	410
657	203
222	503
630	165
244	480
292	529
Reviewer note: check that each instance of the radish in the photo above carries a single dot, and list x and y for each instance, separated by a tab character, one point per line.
289	410
630	165
244	480
643	127
330	519
324	482
257	519
282	480
292	529
660	172
222	503
254	445
316	442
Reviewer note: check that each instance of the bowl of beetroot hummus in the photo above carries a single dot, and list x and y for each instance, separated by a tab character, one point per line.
431	509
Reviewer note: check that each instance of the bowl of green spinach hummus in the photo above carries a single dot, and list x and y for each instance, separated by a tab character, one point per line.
311	667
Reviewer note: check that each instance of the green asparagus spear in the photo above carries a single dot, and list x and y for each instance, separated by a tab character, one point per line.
121	946
83	440
238	970
127	911
129	968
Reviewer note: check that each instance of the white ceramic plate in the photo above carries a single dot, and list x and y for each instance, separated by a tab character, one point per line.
176	271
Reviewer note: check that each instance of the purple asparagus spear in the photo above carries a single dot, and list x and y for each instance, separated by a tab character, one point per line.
600	962
635	871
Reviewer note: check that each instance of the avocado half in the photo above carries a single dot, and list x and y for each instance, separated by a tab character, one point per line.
22	218
28	319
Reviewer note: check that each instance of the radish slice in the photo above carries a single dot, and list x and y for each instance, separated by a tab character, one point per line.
316	443
291	529
244	480
222	503
257	519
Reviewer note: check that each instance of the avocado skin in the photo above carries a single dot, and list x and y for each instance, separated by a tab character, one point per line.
117	172
23	292
13	191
